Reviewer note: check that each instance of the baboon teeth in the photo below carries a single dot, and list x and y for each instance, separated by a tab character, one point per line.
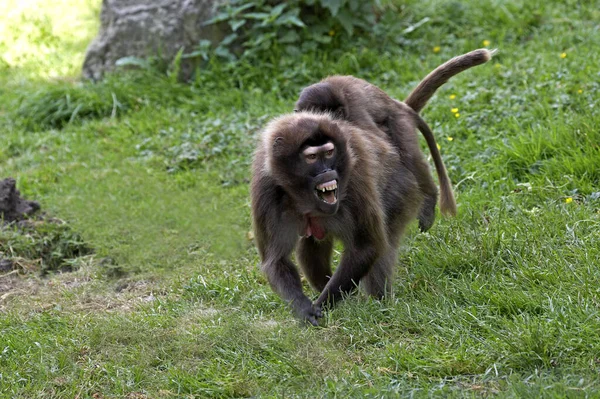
327	186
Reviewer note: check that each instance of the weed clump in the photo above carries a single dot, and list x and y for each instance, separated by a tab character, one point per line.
42	246
34	243
57	105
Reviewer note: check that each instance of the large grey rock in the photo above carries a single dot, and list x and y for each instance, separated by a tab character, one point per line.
145	28
12	206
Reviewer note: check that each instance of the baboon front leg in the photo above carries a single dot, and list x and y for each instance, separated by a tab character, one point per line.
285	281
355	263
314	258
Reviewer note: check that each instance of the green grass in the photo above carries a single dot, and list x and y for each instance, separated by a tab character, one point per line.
502	300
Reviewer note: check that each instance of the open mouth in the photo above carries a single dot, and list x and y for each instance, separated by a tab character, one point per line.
327	192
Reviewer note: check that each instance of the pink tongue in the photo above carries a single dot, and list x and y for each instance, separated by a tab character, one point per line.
314	228
329	197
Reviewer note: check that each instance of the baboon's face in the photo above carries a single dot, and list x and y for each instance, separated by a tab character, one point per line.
313	171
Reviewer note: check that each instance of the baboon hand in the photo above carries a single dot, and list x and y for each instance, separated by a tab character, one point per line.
308	312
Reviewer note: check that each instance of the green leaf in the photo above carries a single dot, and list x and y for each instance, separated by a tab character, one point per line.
289	19
196	53
276	11
348	21
332	5
257	15
416	26
217	18
291	36
293	51
262	38
325	39
235	25
238	10
224	52
228	39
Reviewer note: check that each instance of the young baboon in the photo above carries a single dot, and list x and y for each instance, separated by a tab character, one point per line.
348	168
367	106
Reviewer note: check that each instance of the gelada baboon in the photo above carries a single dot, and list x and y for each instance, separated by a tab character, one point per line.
367	106
346	166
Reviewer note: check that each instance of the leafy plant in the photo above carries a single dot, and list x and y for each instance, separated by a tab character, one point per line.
296	26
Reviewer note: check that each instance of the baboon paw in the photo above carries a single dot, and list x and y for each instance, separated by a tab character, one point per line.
310	314
427	213
426	221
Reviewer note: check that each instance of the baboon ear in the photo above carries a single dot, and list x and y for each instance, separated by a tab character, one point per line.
278	145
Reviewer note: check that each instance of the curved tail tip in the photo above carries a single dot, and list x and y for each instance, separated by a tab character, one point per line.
448	211
489	53
451	212
447	204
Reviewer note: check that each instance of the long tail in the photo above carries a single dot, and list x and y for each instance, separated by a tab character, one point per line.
447	201
440	75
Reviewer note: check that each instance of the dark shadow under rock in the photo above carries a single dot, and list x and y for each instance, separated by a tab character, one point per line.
13	208
6	265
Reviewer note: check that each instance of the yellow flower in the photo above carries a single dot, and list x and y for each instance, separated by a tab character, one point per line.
568	200
452	96
486	43
449	138
437	49
580	91
438	146
457	114
454	110
563	55
332	33
498	65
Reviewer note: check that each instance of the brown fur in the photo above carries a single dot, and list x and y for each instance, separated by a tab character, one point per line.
428	86
377	198
367	106
383	181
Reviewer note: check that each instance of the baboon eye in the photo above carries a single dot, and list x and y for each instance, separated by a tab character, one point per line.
329	154
310	158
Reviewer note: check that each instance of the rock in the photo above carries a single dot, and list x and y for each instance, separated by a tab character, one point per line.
6	265
147	28
12	206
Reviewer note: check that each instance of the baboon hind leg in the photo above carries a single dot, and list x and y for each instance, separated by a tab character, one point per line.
314	258
378	281
429	190
399	126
